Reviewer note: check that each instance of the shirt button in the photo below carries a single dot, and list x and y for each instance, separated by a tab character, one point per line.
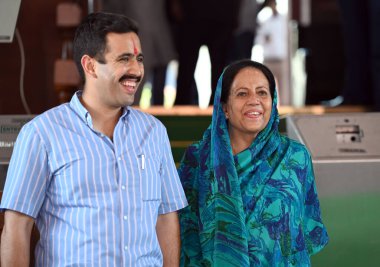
119	158
125	247
125	217
123	187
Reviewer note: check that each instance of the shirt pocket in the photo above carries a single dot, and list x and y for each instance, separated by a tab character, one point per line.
150	177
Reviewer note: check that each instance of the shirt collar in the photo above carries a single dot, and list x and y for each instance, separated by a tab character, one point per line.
83	113
77	106
126	112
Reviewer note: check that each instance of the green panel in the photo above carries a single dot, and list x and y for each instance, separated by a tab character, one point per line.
353	224
184	130
185	127
177	154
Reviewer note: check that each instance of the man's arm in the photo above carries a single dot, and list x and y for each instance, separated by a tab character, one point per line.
169	238
15	239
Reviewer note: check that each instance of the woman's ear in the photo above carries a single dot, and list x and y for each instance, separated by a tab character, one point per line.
88	65
224	107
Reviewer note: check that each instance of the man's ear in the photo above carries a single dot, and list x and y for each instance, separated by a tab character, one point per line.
88	65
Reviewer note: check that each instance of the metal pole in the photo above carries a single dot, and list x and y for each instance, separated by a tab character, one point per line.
90	6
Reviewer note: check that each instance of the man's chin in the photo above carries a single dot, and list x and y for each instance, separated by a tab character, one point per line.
130	103
127	100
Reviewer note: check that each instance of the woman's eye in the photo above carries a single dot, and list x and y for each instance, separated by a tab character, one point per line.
262	93
241	94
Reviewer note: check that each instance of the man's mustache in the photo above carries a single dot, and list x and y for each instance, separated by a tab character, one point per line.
130	77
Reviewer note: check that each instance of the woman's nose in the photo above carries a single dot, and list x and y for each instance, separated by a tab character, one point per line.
253	99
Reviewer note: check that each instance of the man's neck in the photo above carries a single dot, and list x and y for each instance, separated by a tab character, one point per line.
104	119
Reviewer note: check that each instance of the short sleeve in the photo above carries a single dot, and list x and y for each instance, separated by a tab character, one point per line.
28	174
173	196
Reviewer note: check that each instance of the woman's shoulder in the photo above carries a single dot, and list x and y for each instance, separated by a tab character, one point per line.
191	154
295	147
193	151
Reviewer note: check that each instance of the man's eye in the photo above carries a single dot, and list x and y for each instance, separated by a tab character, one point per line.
140	59
124	59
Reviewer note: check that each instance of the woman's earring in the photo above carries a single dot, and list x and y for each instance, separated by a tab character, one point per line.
226	114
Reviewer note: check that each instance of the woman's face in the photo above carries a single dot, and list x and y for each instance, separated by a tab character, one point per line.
249	104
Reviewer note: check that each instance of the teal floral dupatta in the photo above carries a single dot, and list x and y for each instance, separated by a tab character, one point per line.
257	208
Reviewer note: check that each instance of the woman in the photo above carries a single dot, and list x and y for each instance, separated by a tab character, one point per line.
251	191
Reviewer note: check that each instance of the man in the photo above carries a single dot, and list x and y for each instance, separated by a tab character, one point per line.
360	28
202	22
273	37
96	176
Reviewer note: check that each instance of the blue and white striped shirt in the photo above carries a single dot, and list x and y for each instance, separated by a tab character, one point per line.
95	201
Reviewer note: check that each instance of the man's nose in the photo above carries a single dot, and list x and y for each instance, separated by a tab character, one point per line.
135	67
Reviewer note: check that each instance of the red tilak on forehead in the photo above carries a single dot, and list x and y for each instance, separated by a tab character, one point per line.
135	51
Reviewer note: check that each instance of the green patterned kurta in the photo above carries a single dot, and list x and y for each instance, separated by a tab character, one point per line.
257	208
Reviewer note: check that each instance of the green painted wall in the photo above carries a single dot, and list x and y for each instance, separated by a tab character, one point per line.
353	224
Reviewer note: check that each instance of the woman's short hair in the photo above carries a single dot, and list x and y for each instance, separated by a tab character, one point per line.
233	69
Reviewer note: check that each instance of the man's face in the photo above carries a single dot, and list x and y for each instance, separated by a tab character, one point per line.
118	79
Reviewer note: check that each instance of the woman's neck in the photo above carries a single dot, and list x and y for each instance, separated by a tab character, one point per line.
240	142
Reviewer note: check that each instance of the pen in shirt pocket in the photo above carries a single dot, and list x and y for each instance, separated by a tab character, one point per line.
142	156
